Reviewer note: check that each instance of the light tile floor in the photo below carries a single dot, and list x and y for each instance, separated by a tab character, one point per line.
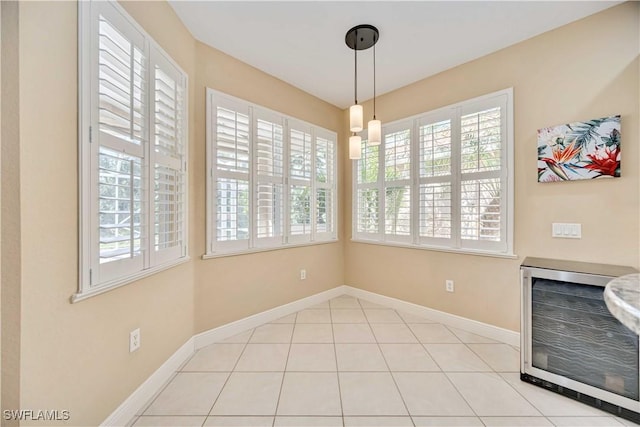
348	362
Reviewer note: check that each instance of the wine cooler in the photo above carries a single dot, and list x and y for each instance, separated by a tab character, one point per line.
570	342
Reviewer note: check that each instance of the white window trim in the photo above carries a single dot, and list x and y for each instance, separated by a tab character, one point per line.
87	125
416	243
287	241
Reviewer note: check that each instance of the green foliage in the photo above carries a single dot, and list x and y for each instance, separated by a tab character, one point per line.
300	206
583	132
613	139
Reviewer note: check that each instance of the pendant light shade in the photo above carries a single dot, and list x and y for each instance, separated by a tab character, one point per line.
355	118
374	131
355	147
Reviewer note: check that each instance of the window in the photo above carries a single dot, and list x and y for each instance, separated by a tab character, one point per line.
272	179
133	152
441	180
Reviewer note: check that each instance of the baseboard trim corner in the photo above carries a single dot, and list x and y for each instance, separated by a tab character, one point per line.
220	333
141	396
486	330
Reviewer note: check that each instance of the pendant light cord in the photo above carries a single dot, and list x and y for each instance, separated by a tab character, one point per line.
355	74
374	79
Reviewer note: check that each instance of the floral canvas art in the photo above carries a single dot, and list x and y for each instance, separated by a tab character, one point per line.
580	150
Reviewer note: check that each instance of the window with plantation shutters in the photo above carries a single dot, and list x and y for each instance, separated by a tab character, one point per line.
441	180
132	152
272	179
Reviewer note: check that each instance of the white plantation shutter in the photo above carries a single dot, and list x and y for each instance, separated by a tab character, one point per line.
325	186
300	171
119	145
396	147
436	179
367	193
483	176
168	159
435	211
273	179
480	209
122	56
461	196
269	166
231	127
132	151
120	200
481	138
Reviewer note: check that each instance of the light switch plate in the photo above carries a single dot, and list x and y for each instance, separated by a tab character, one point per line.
566	230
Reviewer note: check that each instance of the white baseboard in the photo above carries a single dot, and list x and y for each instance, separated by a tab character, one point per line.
139	398
494	332
136	401
220	333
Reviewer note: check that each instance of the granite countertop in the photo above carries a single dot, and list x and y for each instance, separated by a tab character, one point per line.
622	296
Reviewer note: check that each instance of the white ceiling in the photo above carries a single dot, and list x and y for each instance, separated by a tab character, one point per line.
302	42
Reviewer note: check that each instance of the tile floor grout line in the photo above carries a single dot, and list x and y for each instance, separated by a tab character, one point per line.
444	373
466	344
463	398
286	363
422	345
335	355
522	395
452	383
159	392
389	369
501	377
229	376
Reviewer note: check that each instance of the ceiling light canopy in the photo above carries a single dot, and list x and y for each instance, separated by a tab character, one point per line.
362	37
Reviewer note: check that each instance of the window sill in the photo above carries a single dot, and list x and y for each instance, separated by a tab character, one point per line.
211	255
438	249
81	296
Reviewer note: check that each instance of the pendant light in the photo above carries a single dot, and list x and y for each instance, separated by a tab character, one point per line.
355	147
374	127
355	111
360	37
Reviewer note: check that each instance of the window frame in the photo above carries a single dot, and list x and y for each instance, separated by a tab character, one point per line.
215	248
91	280
503	248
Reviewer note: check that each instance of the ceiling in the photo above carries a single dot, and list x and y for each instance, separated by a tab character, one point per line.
302	42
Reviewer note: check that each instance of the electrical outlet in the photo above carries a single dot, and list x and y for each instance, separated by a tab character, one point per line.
448	285
303	274
134	340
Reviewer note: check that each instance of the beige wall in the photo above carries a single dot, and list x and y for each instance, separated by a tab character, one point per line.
230	288
10	183
75	356
585	70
